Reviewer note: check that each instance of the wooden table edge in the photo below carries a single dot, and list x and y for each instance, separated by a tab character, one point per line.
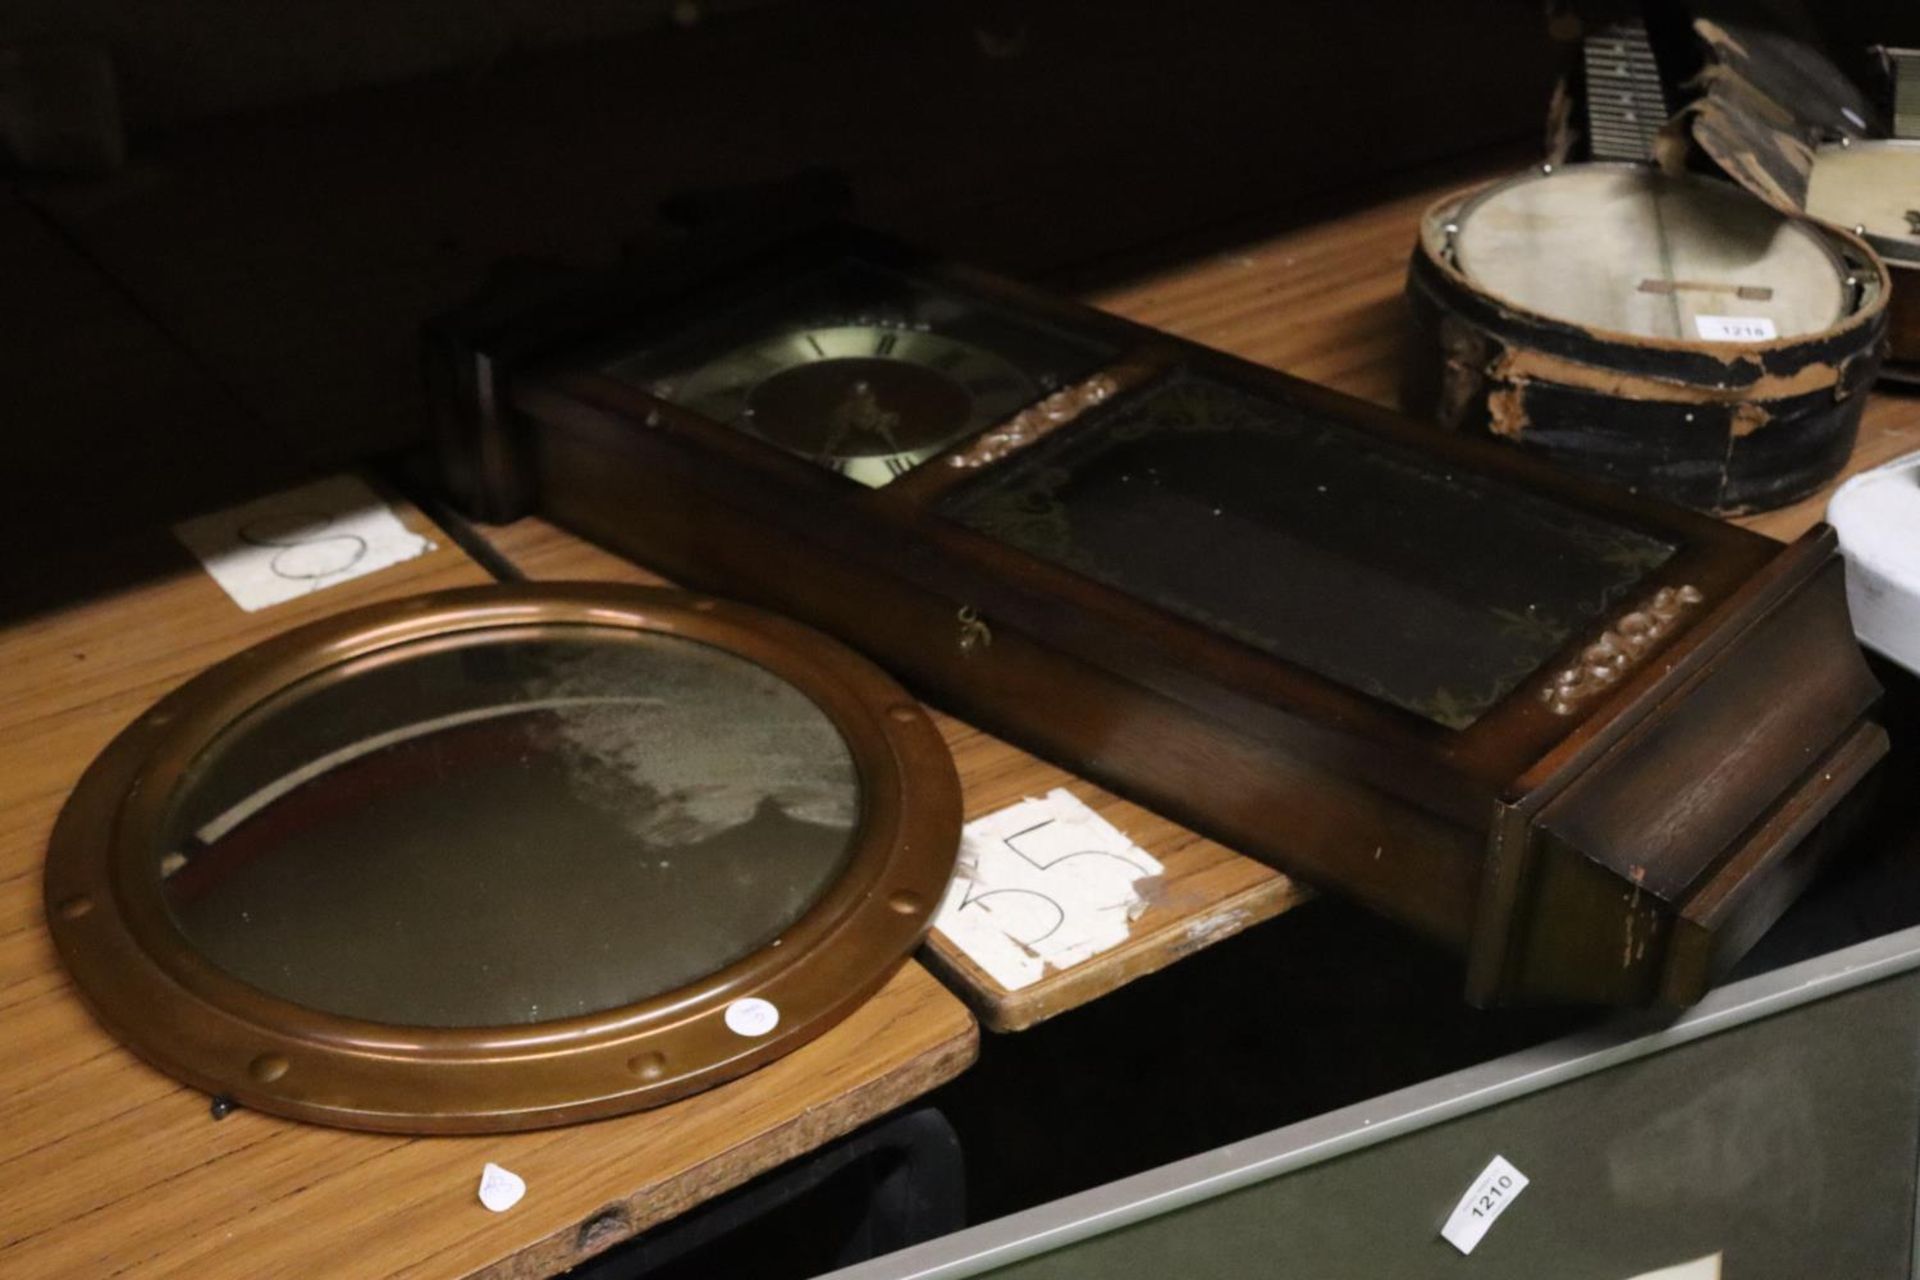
1005	1012
628	1217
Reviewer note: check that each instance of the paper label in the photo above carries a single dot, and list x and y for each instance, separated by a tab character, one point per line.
752	1016
500	1189
1707	1268
1043	884
1498	1185
303	540
1735	328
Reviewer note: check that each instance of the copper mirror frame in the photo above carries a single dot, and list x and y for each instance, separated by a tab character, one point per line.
145	981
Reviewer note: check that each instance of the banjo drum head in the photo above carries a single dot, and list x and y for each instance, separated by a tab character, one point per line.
1633	251
1874	187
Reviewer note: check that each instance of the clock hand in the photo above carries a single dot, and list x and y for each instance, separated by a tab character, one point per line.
833	441
861	412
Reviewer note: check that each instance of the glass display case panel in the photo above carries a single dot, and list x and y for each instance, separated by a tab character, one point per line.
1317	542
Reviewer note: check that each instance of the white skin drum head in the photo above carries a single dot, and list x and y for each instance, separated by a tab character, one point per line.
1637	252
1874	186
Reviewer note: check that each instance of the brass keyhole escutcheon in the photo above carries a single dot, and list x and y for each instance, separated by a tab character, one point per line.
975	635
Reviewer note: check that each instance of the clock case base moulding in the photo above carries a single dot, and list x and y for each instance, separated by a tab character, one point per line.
1617	821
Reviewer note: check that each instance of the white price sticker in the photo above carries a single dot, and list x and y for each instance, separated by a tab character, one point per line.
752	1017
1498	1185
1735	328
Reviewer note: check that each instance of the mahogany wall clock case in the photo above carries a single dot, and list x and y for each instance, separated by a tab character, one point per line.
1594	742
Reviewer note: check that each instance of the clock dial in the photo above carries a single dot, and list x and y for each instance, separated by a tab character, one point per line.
850	364
869	401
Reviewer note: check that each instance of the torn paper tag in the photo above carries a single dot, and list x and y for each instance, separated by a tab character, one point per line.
1707	1268
500	1189
1043	884
291	544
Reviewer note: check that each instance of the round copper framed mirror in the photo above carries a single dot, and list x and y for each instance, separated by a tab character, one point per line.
503	857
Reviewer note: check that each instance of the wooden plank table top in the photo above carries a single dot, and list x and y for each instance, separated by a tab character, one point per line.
1207	894
110	1168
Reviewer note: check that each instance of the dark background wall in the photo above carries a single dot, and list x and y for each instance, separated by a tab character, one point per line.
179	61
304	183
184	60
236	304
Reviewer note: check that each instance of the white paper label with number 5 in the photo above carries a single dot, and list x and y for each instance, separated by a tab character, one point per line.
1043	884
1497	1187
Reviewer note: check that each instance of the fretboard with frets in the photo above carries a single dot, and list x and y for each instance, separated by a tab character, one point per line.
1626	102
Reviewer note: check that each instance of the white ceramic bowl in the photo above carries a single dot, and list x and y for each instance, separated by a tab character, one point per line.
1877	516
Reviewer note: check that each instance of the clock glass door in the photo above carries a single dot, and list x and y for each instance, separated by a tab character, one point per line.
1431	589
856	367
